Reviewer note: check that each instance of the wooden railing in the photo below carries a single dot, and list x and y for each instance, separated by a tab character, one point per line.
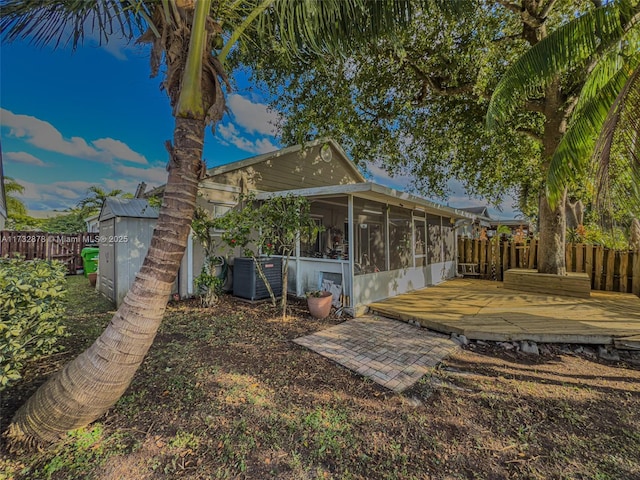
612	270
47	246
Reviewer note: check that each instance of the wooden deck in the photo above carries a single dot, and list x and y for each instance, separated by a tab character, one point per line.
483	310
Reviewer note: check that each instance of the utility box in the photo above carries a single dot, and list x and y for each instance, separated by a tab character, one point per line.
247	282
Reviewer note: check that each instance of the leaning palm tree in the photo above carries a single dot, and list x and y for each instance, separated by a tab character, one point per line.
193	40
605	43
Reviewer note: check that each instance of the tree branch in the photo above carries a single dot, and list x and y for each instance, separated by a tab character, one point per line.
533	20
535	105
435	84
514	7
544	13
507	37
530	133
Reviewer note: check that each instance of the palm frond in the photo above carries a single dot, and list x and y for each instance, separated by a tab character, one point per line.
622	126
322	26
573	154
63	23
568	46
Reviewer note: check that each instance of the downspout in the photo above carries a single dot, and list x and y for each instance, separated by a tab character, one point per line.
299	292
352	252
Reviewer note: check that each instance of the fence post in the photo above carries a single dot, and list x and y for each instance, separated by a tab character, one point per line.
467	250
624	267
635	273
533	253
579	257
483	258
597	274
505	257
611	259
588	262
499	263
512	255
476	256
568	256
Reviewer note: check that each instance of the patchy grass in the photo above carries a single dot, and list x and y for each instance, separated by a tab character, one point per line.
224	393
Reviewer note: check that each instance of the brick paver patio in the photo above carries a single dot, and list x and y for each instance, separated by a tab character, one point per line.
392	353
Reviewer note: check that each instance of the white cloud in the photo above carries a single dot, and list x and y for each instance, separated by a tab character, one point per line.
458	196
115	47
24	157
380	175
119	150
44	135
153	176
56	195
229	134
115	44
127	185
253	117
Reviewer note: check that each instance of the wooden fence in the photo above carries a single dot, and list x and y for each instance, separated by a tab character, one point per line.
612	270
47	246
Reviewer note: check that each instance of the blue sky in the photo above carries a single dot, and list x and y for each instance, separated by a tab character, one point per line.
94	117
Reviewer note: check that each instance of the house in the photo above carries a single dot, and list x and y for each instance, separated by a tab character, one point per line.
92	223
3	197
482	220
377	242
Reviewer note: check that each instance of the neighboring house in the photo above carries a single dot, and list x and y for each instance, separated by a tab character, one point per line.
126	227
483	220
521	227
3	197
93	223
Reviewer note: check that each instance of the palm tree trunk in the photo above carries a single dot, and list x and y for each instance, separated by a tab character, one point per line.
89	385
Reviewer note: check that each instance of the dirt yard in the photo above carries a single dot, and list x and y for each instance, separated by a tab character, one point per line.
225	393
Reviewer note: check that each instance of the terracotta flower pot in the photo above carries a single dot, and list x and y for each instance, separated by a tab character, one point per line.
320	307
93	277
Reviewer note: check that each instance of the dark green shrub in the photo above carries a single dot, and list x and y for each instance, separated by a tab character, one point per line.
31	309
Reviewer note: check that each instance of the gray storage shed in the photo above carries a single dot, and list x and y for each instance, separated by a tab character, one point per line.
126	227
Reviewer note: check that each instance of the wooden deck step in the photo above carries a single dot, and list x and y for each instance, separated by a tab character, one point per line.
571	285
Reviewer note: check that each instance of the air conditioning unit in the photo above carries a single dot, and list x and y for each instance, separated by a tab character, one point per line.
247	282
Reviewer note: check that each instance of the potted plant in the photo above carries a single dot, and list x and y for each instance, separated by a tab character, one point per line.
319	302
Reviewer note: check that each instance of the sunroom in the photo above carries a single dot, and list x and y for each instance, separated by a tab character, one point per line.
375	243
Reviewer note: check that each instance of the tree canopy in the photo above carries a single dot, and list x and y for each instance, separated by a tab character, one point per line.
415	102
604	124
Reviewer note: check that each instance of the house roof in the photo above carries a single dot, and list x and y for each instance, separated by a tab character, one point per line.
132	208
514	222
480	211
247	162
376	192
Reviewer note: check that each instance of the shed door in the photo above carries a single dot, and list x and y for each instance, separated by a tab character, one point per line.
106	261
